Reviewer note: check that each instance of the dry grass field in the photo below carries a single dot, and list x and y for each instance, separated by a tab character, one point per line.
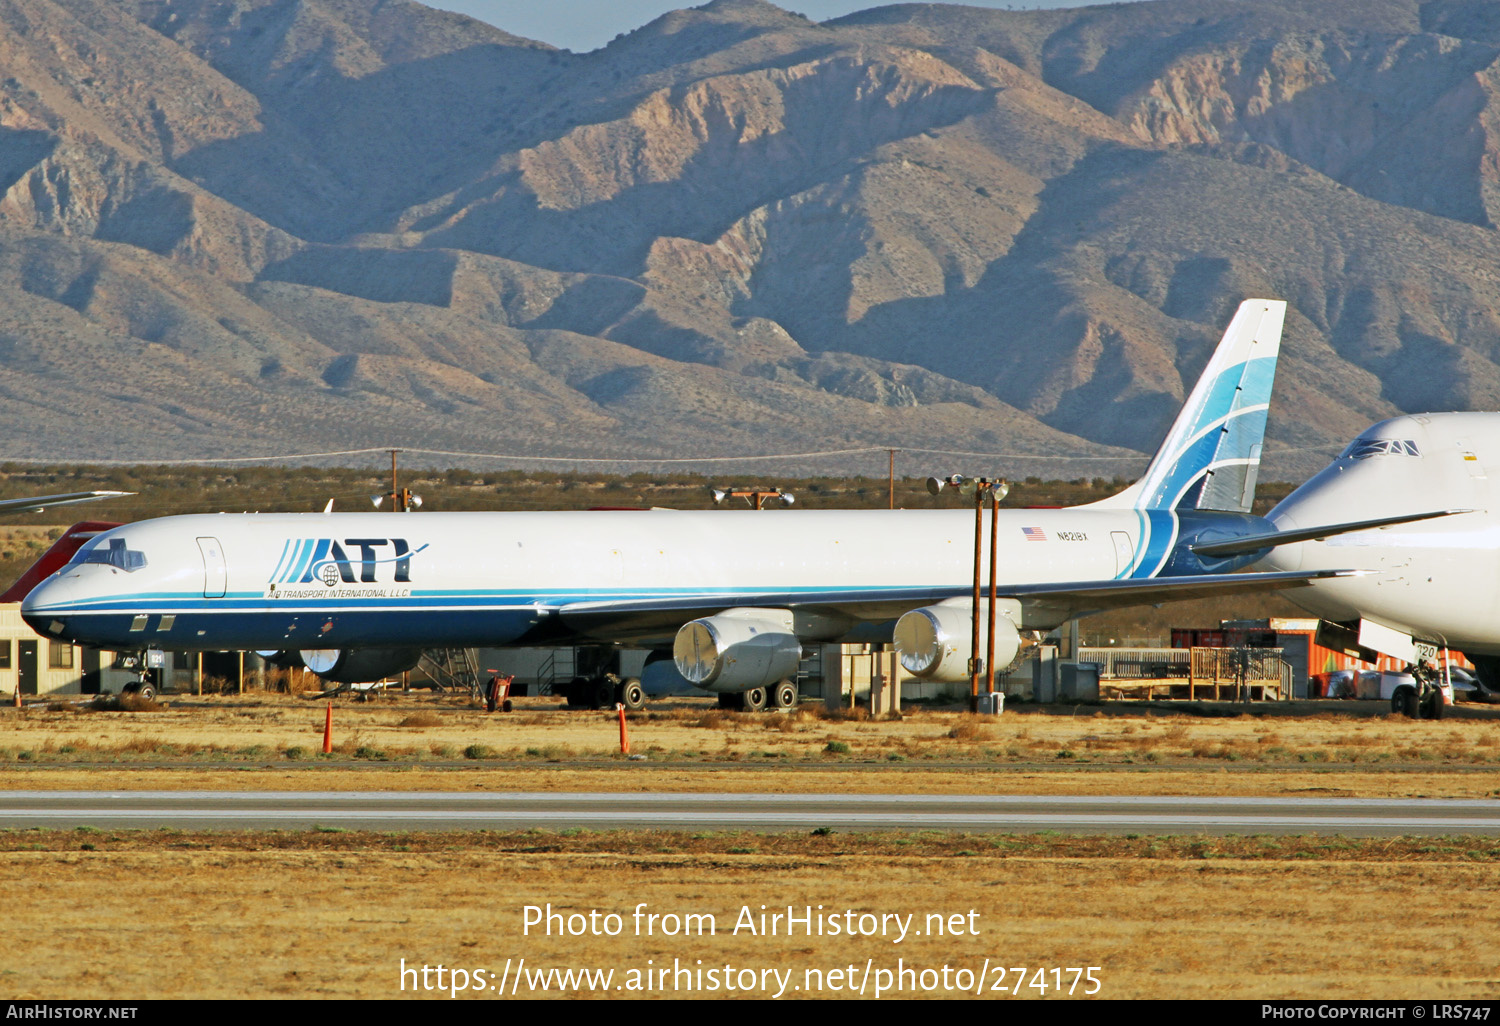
143	914
332	915
423	733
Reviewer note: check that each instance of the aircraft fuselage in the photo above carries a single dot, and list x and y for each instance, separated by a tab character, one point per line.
283	581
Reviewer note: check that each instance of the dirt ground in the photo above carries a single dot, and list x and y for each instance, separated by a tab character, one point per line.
166	914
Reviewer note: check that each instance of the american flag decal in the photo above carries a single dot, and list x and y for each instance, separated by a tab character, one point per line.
1034	533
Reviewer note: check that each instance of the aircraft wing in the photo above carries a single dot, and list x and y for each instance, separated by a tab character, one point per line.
1042	602
38	503
1257	542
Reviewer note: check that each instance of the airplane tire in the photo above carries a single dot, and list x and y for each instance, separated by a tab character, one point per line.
606	694
755	700
785	696
1434	706
731	700
146	692
1411	705
632	695
577	692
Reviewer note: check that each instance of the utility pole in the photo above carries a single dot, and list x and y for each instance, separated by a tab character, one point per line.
974	665
980	487
996	494
402	499
398	501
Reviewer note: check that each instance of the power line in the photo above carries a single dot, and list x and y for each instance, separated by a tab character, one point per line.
631	460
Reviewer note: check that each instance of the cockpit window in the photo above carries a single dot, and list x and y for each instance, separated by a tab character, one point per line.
1364	448
115	555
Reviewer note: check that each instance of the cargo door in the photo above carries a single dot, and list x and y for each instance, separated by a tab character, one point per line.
215	573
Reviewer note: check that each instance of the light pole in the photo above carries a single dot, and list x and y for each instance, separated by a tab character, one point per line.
998	491
402	499
980	488
755	496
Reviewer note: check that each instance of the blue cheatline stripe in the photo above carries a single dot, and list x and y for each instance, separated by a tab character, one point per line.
152	601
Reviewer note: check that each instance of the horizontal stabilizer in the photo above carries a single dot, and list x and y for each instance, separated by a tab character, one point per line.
1257	542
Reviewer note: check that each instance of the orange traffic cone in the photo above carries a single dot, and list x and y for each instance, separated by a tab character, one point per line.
624	734
328	731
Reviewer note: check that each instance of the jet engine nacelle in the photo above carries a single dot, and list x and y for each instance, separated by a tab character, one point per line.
359	665
936	642
738	650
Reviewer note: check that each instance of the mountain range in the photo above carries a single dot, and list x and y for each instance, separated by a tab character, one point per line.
252	227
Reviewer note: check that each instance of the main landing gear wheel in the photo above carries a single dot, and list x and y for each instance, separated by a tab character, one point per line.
1434	707
785	696
733	700
755	700
1411	704
144	690
632	695
578	692
605	694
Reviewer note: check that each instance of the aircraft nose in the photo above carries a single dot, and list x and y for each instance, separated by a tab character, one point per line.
46	604
48	593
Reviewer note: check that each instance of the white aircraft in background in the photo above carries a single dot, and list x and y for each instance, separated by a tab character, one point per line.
1430	548
733	595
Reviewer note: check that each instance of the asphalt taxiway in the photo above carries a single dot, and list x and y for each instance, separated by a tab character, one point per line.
437	810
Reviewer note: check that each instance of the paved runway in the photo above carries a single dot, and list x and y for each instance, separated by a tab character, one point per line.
437	810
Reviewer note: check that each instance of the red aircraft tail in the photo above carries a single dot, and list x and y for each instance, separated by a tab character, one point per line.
55	558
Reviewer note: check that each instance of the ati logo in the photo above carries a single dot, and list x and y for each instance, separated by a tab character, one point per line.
304	560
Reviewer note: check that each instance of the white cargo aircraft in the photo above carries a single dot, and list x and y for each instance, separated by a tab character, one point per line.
1431	579
733	595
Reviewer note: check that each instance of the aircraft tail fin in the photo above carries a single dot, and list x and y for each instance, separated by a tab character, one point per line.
1211	456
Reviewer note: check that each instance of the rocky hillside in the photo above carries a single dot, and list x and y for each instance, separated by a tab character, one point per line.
233	227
